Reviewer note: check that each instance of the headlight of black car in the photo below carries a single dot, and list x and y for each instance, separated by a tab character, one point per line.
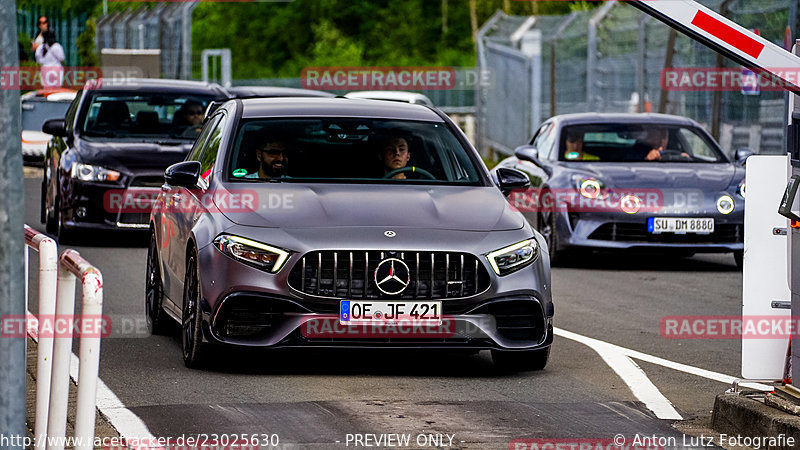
88	172
514	257
252	253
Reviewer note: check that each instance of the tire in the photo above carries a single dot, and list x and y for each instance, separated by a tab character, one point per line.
42	206
157	319
738	257
51	222
520	360
65	235
548	230
194	349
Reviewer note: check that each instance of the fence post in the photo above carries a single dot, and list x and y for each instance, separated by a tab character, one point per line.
62	349
89	355
48	273
591	53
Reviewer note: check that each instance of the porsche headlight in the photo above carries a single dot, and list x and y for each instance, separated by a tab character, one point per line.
514	257
87	172
590	187
725	204
253	253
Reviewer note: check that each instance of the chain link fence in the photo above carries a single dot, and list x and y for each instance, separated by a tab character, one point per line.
611	59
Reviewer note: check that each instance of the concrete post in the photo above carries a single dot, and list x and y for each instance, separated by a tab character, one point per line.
12	297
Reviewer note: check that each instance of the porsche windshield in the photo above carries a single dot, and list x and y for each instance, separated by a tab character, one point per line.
123	115
614	142
350	150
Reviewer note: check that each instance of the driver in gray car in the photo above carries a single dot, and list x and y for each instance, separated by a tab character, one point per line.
394	153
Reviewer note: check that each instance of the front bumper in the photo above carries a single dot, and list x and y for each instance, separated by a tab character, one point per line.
100	206
623	231
245	306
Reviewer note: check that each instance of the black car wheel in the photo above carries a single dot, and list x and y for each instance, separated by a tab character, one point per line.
194	348
520	360
738	256
64	233
50	220
157	320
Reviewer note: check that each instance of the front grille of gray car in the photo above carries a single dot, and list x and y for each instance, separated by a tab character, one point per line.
350	274
636	232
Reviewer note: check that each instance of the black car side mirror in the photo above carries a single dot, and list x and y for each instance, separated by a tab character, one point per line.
509	179
56	127
183	174
742	154
530	153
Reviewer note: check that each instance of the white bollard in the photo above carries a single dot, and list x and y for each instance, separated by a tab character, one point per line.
48	277
91	332
62	350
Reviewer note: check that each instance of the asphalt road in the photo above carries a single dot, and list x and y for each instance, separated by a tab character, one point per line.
315	399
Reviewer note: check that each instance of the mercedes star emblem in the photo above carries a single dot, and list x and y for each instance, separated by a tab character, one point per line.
389	233
392	276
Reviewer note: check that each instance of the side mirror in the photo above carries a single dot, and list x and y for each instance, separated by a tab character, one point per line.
56	127
510	179
183	174
531	153
742	154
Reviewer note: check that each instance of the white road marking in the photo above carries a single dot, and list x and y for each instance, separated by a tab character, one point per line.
128	425
637	381
619	359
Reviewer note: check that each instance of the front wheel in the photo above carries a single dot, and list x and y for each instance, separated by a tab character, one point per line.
549	231
194	349
157	320
520	360
738	257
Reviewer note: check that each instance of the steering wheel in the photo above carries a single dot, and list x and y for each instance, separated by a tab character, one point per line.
413	169
675	155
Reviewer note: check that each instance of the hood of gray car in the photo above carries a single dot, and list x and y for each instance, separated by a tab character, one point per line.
292	205
646	175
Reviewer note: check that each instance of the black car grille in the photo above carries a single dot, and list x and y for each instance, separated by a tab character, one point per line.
148	181
637	232
134	218
350	274
517	320
251	316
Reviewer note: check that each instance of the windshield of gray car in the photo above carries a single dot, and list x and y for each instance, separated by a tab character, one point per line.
350	150
615	142
143	115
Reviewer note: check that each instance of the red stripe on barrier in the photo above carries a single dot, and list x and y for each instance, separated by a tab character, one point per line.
728	34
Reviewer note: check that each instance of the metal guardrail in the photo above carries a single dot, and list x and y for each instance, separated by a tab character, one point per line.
57	303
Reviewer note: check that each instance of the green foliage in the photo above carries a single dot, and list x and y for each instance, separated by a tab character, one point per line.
85	45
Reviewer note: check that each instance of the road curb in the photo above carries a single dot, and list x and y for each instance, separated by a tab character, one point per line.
738	415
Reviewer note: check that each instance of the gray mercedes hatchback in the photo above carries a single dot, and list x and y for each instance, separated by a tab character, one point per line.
335	222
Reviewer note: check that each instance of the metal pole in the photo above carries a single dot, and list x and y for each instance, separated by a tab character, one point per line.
12	297
664	100
641	79
716	99
48	282
91	320
62	351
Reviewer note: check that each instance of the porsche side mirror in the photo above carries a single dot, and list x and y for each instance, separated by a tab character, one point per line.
531	153
183	174
742	154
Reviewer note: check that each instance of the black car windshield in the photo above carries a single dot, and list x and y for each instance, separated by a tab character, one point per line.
125	115
614	142
350	150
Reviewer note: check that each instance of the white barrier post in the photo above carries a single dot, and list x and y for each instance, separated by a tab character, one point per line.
62	350
48	273
91	327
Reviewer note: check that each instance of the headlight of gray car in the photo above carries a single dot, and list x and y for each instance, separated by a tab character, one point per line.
514	257
252	253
